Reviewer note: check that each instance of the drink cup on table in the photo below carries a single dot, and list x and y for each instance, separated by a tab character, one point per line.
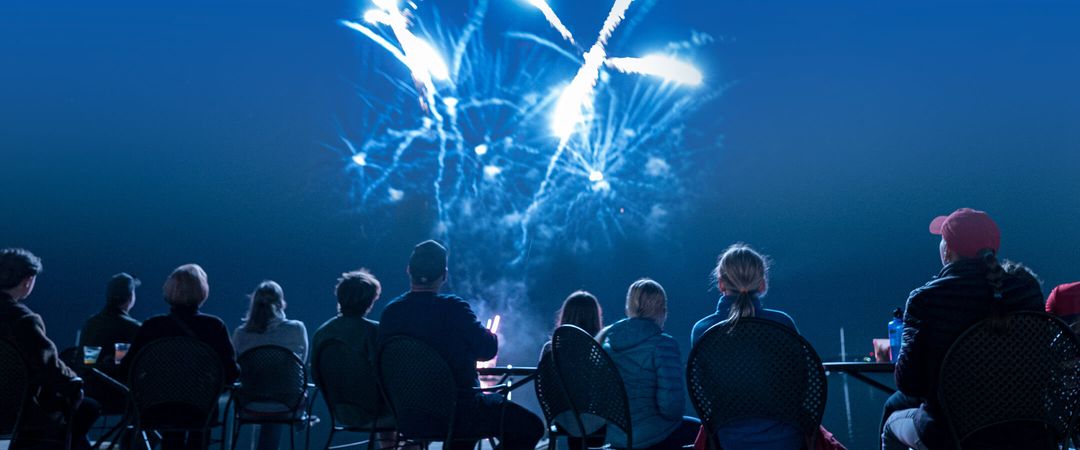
121	349
882	350
90	354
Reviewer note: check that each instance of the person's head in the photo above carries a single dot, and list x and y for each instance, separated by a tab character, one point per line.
582	310
267	303
187	286
965	234
18	272
356	291
120	292
427	266
741	272
646	299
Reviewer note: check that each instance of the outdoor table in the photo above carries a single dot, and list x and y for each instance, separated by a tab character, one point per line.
858	370
506	375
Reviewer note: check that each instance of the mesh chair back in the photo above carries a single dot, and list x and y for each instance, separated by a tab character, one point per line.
419	387
1025	370
14	385
551	395
348	383
590	378
756	369
175	383
272	380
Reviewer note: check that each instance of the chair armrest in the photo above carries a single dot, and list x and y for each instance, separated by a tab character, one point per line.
94	372
495	388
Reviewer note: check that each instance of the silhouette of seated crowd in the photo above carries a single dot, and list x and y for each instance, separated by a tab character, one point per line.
346	357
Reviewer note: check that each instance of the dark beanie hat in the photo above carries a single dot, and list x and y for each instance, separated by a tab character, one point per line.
428	262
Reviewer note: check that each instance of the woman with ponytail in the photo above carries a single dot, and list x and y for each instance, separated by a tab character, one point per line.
652	370
266	324
741	276
972	286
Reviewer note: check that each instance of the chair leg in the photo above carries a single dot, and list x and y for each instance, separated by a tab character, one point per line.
292	438
330	438
235	434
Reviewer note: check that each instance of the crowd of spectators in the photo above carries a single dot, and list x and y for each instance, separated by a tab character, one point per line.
973	285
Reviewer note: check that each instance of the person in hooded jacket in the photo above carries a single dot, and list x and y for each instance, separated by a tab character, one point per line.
652	370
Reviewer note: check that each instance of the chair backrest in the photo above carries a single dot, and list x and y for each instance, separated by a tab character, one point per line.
419	387
1025	367
14	387
175	383
551	395
272	379
348	383
756	369
590	378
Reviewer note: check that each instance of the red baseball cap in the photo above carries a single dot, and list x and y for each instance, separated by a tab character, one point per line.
966	231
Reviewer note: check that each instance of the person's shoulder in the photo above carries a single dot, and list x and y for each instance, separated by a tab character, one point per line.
294	325
707	321
212	320
154	320
395	304
131	321
665	341
453	299
783	318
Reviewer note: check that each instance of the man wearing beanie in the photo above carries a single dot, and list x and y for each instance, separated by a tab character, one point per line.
448	324
971	285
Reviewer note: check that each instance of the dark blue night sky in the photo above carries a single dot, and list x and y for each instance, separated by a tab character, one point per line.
137	136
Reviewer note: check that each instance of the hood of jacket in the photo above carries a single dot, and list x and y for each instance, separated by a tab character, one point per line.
628	333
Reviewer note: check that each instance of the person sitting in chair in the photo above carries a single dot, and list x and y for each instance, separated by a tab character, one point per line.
447	323
55	386
971	286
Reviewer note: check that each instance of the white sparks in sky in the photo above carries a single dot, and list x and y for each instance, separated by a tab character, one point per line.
418	55
552	18
662	66
479	149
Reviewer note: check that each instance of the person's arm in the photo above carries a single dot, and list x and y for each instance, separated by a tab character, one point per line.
42	358
482	343
911	365
670	390
302	340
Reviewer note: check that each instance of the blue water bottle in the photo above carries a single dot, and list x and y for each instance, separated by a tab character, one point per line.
896	331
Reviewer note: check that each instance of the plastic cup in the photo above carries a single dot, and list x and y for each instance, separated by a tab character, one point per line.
121	349
90	354
882	350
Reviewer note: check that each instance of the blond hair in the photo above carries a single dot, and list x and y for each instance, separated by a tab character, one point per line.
646	299
742	271
187	286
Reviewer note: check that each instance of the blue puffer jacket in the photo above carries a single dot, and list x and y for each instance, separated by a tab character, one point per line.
651	367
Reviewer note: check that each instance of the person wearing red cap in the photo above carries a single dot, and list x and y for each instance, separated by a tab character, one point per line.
1064	302
971	287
